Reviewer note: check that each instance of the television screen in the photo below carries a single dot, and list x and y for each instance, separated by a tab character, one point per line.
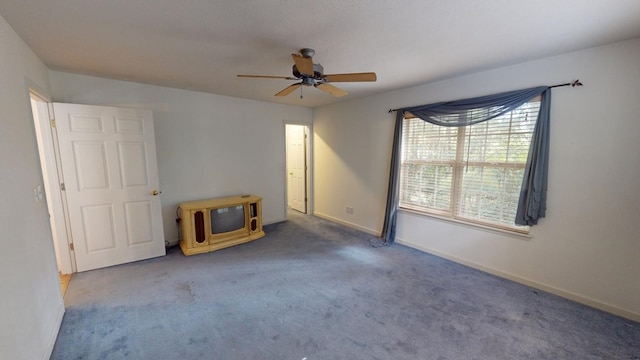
227	219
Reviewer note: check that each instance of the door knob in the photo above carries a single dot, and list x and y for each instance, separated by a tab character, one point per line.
155	192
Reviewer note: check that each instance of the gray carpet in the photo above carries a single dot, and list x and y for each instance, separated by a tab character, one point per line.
316	290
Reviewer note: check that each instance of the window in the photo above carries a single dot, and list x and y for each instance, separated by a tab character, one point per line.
472	173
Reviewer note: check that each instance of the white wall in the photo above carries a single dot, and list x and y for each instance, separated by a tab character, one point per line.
208	145
31	304
588	246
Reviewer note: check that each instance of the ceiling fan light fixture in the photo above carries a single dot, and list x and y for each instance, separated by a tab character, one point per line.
307	81
310	74
318	71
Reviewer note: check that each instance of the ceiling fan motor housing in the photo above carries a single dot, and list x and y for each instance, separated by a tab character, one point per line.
318	70
306	52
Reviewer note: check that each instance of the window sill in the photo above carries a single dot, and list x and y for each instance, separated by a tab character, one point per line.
514	234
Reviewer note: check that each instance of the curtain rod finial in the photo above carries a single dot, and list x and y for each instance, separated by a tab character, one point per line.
576	83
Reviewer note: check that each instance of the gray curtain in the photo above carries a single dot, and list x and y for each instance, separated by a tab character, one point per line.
532	202
389	226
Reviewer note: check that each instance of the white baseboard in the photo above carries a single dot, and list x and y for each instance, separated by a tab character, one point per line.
346	223
274	221
53	335
531	283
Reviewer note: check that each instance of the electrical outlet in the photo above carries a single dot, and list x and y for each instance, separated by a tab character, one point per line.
37	193
349	209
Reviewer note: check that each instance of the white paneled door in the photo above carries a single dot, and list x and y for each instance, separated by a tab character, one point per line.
110	172
296	167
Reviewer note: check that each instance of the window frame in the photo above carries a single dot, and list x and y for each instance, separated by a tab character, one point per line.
457	166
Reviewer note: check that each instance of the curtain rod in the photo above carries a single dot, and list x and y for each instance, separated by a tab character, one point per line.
572	84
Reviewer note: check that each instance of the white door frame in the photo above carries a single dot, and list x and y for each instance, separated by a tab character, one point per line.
49	162
309	169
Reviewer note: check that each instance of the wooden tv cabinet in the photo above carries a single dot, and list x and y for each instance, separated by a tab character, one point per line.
201	234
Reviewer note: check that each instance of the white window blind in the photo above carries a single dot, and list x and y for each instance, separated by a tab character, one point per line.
471	173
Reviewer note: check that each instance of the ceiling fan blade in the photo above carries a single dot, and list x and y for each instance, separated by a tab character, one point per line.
330	89
288	90
304	64
365	76
267	77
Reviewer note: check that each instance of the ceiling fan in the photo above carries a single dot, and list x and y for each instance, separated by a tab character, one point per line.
310	74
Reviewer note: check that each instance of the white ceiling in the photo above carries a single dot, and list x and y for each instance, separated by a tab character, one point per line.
202	44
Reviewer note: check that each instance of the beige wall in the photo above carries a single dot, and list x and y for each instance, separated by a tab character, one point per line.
588	246
31	304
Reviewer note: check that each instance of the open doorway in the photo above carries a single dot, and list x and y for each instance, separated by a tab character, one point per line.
47	150
297	159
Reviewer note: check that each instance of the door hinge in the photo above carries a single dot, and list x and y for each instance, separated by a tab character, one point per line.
53	122
62	187
71	247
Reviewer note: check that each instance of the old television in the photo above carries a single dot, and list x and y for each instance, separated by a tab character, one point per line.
213	224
